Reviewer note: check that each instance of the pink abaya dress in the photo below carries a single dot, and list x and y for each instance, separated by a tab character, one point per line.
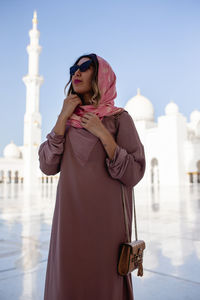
88	222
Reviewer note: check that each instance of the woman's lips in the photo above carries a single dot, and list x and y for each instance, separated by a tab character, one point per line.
77	81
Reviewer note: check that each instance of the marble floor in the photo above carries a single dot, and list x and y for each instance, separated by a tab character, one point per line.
168	219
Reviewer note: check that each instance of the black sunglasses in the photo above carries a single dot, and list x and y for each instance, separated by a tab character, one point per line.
83	67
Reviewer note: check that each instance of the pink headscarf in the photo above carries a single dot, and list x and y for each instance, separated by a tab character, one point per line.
107	87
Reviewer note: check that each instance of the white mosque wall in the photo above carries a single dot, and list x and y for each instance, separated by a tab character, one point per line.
169	154
11	170
152	156
192	156
172	131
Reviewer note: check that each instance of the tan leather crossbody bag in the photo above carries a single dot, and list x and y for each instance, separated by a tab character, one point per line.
130	253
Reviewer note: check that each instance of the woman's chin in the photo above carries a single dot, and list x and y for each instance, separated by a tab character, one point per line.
79	91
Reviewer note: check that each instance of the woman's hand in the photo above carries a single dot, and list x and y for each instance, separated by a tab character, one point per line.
93	124
69	105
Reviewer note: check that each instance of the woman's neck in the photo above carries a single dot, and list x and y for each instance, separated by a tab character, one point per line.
86	98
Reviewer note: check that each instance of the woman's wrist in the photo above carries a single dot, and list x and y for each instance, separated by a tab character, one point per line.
62	116
109	143
60	126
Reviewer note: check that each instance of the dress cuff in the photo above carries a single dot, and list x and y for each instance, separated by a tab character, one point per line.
55	144
119	156
58	138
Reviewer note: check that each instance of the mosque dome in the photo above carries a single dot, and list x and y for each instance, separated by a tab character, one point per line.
171	108
11	151
140	108
195	116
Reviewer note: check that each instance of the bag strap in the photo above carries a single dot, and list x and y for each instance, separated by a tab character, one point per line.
125	213
123	198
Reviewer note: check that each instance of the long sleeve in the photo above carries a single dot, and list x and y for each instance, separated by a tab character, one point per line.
50	153
128	164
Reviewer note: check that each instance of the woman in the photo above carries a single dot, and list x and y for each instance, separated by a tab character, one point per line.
96	148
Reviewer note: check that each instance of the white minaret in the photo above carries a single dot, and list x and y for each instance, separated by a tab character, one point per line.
32	117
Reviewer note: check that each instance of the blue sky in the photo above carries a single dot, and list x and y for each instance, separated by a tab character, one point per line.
153	45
